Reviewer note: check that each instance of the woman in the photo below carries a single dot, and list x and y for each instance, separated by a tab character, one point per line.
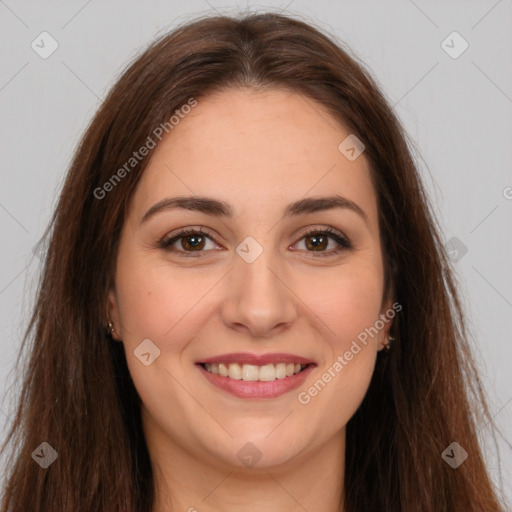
245	301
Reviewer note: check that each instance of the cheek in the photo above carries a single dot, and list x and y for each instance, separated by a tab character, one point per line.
154	302
165	307
348	302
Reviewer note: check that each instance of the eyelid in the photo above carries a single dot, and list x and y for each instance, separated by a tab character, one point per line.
325	229
341	239
168	240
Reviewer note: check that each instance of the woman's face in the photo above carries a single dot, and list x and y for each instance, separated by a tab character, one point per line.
254	286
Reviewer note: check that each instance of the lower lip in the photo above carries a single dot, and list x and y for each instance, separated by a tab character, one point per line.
257	389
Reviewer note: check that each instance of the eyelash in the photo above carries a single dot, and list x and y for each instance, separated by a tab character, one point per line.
343	242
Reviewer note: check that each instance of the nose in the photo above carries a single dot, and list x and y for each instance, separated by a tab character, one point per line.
259	298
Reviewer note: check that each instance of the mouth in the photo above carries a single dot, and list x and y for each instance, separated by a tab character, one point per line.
251	376
254	373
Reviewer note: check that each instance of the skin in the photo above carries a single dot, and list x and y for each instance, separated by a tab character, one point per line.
258	151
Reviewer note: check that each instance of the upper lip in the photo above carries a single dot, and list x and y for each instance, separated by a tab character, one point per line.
255	359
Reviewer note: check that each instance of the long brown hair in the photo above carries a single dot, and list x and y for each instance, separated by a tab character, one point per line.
77	393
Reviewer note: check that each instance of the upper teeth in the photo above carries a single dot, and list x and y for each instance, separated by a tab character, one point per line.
267	372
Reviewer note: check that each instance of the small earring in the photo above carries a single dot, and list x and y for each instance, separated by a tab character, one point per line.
387	346
110	329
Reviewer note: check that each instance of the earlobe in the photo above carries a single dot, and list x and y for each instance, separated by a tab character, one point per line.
387	315
113	327
386	345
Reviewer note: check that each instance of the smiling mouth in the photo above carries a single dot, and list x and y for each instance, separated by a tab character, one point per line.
250	372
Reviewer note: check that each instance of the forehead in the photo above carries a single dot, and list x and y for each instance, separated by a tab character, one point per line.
256	149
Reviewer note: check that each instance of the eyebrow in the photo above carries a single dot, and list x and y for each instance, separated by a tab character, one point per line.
217	208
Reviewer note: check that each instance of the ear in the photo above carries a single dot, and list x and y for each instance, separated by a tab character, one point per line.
386	316
113	314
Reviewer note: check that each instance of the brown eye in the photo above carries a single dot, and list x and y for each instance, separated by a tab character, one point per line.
187	242
193	242
318	240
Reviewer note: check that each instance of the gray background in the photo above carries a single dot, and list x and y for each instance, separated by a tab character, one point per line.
458	112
